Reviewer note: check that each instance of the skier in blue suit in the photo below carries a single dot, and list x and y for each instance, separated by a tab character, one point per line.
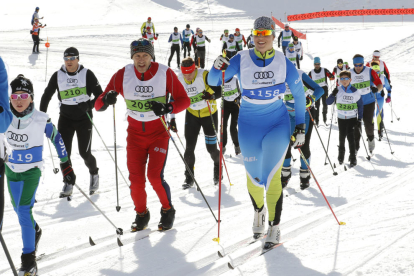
264	126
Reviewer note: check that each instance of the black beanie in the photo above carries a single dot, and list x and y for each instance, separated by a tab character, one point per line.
339	61
71	52
20	83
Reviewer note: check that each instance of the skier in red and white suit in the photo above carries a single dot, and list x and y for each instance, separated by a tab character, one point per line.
146	87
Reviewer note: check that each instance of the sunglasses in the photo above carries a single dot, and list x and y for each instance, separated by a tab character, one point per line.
23	96
376	57
200	32
345	78
340	64
70	58
359	65
317	64
262	32
140	43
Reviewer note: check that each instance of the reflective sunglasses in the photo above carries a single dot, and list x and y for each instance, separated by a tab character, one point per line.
200	32
262	32
23	96
317	64
340	64
376	67
70	58
140	43
359	65
345	78
376	57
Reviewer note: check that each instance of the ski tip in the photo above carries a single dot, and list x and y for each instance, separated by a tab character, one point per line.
119	242
230	266
69	198
91	241
368	157
118	208
345	168
335	173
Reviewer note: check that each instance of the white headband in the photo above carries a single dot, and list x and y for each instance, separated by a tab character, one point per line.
377	53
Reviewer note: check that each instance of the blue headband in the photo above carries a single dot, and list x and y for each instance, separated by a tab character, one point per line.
358	60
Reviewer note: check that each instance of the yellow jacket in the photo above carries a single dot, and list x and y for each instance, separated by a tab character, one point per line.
144	27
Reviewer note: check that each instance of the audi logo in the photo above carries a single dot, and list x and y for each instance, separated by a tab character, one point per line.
145	89
72	80
264	75
17	137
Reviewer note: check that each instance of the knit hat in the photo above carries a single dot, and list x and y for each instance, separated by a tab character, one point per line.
20	83
295	38
317	60
291	45
142	45
71	52
264	22
339	61
187	26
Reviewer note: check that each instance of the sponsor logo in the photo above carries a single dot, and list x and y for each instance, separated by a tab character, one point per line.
72	80
191	89
249	159
24	82
348	98
144	89
298	80
26	145
264	75
156	149
17	137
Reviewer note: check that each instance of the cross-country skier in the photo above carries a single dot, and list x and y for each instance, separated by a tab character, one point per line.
35	36
225	37
146	87
264	127
350	108
23	169
199	44
298	47
239	38
232	95
340	66
5	120
312	92
292	55
150	36
320	75
285	37
250	41
75	85
36	16
367	82
187	35
146	24
384	69
198	116
176	40
231	47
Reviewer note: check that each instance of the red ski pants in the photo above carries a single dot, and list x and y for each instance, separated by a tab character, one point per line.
152	147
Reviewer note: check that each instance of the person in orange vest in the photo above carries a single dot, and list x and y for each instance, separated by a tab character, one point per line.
35	35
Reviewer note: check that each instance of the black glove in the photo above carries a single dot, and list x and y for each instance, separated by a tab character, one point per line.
301	58
237	101
358	123
208	96
84	106
390	86
173	125
382	93
298	137
278	45
160	108
1	109
335	91
156	35
374	89
110	97
68	173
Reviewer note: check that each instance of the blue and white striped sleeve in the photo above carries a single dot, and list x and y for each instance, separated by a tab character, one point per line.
296	87
54	136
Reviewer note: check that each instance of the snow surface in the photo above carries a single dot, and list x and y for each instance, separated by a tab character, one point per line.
374	199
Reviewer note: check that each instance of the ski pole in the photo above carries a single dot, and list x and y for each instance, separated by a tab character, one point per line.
310	115
179	139
107	149
316	181
329	138
6	251
119	231
215	130
187	167
392	109
384	127
116	165
55	170
392	117
363	141
47	45
223	73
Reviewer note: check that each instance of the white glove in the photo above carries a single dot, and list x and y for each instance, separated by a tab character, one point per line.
221	63
298	136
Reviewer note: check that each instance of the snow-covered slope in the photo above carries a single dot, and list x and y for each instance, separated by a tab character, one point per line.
374	199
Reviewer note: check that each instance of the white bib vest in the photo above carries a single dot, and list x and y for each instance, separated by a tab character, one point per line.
251	40
239	39
298	47
139	93
175	38
288	94
346	103
187	34
72	89
201	41
362	81
319	78
291	56
286	36
230	90
150	37
148	25
338	71
27	144
262	85
195	90
231	46
224	38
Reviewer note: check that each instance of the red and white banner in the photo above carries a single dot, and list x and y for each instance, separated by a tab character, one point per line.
281	25
306	16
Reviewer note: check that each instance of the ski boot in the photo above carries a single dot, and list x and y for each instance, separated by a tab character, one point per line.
216	174
259	222
167	219
371	144
381	131
304	179
38	235
286	174
237	150
141	221
189	181
94	183
341	156
352	160
66	191
273	236
29	265
324	119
